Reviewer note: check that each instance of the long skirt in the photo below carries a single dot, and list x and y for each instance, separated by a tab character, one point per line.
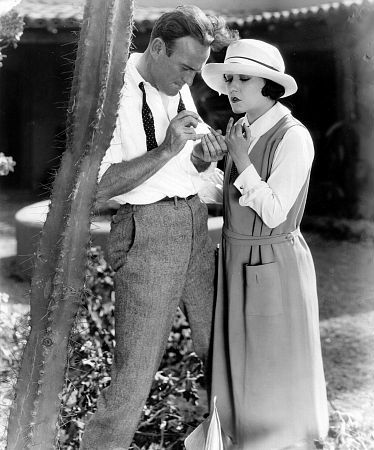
267	365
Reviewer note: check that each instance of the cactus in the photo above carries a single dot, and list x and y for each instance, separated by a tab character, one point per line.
60	260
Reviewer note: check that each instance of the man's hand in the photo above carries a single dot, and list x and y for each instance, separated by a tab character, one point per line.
180	130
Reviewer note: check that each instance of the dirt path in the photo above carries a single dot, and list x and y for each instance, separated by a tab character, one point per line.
345	273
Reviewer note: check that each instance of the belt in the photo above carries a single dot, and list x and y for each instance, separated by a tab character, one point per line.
166	200
175	199
262	240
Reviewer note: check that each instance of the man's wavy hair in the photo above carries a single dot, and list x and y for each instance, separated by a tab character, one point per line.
189	20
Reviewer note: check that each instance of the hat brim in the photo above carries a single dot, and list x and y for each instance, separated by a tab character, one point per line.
213	76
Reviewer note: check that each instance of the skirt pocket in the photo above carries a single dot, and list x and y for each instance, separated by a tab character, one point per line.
263	290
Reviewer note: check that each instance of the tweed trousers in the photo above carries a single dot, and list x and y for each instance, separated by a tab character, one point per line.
163	258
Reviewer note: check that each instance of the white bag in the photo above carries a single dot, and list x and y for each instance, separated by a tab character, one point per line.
207	436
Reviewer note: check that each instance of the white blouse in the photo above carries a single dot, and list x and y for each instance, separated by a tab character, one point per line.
273	199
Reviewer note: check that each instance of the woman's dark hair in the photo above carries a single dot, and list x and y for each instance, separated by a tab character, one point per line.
189	20
272	90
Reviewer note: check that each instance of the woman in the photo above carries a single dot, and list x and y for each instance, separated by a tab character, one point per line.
267	367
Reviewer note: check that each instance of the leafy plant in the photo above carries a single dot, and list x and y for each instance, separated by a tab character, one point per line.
14	330
346	433
6	164
11	27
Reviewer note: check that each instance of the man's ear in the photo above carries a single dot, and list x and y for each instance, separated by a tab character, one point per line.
157	47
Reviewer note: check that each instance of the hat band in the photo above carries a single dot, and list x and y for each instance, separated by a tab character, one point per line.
254	60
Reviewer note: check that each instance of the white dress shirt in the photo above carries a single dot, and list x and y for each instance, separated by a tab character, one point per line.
178	176
273	199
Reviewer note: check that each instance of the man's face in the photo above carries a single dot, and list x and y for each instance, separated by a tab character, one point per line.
187	58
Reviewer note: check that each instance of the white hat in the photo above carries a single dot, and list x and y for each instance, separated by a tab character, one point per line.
249	57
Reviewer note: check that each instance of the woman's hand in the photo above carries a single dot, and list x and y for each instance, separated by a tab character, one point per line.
211	148
238	139
214	146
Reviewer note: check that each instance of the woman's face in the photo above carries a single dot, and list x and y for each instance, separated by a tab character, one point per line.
244	92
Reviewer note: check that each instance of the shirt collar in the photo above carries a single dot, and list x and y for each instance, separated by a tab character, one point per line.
131	69
135	76
267	120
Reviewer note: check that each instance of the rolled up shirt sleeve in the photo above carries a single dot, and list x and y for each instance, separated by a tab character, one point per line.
273	199
188	166
112	155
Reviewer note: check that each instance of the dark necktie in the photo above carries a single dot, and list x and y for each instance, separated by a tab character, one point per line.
148	121
181	106
233	173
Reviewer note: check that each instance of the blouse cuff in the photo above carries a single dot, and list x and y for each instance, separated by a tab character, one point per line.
247	180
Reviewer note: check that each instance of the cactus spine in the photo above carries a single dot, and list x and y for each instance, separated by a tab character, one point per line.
60	261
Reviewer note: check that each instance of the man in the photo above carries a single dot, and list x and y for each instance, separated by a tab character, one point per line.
159	245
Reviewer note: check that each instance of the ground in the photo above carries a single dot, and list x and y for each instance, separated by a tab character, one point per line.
345	272
345	277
